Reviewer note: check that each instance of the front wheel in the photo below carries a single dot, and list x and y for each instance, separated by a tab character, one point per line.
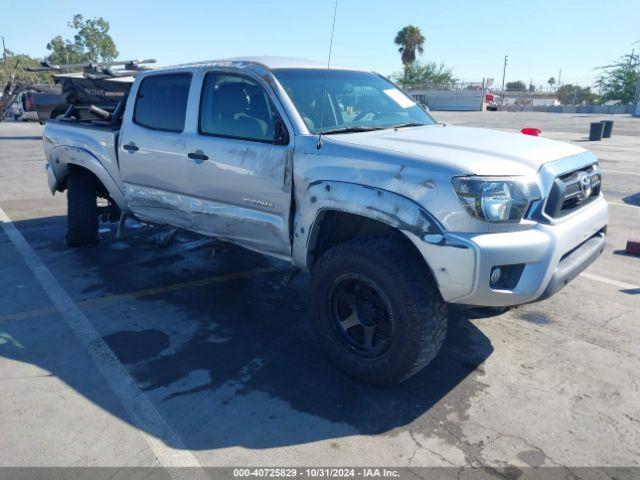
377	310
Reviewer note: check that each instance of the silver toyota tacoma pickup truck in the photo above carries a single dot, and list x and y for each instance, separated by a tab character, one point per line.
343	175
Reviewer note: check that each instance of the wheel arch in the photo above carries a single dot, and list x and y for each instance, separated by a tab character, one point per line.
69	158
344	209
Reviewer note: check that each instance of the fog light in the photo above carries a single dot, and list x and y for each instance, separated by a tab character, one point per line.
496	273
505	277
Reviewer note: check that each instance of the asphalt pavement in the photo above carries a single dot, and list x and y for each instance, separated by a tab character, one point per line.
132	353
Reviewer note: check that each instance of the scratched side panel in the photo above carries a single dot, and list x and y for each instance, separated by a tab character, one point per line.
250	228
253	229
158	206
242	192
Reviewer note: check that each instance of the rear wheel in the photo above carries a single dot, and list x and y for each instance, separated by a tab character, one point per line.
82	209
377	310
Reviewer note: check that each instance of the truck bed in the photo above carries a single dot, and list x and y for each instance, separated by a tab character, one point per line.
79	142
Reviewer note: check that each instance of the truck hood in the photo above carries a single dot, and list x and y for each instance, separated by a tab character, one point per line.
466	150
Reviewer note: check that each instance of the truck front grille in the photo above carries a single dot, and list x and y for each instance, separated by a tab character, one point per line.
572	191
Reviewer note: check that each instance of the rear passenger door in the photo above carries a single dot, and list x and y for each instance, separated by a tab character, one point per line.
153	149
241	170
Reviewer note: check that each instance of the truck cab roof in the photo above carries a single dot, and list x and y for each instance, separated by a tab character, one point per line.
266	62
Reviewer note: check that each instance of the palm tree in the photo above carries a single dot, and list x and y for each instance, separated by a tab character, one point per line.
410	39
551	82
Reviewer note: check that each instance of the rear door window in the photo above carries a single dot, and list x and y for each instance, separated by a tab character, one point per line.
161	102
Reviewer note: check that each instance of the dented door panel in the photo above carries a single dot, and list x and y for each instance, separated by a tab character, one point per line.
242	192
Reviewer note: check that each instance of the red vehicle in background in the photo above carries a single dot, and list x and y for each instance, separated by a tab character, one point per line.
489	101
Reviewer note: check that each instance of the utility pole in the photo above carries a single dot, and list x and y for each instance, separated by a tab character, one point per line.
636	99
531	91
559	78
504	71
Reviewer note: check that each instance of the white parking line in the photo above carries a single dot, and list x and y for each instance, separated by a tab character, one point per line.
610	281
623	173
155	430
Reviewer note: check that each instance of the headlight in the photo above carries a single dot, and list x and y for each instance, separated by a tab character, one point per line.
496	199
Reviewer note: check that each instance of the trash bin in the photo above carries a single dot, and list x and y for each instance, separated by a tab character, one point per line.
608	128
595	131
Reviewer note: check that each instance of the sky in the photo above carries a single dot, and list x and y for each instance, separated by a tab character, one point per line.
541	37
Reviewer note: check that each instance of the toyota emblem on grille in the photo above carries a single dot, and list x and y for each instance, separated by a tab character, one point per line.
585	185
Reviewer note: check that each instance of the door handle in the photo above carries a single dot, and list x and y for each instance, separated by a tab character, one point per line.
198	155
130	147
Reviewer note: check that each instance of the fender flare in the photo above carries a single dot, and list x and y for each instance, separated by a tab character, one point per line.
371	202
66	155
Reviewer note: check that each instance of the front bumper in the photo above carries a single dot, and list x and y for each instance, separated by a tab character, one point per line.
573	263
552	256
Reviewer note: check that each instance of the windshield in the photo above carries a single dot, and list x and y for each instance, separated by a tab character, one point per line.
354	101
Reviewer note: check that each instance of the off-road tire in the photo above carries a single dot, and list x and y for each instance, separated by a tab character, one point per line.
419	312
82	209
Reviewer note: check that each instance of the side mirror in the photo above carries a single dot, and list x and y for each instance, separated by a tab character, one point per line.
281	135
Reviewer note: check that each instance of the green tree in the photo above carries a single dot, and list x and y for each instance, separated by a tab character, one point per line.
91	43
411	40
12	66
517	86
618	81
551	82
64	51
425	75
569	94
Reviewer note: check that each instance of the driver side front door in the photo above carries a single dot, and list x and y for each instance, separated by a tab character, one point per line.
240	173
